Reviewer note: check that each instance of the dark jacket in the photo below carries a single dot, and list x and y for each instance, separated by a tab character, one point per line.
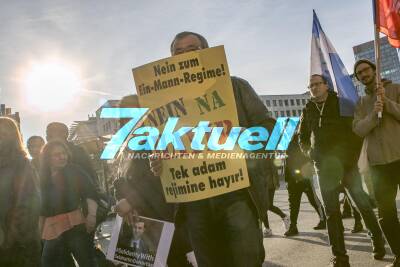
67	192
137	184
19	214
272	176
252	112
298	166
82	159
335	136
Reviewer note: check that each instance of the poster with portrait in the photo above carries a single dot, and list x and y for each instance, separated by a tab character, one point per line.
140	242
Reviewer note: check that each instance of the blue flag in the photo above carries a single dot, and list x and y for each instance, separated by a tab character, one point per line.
326	61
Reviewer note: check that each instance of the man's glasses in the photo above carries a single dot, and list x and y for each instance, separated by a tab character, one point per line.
314	85
186	49
363	70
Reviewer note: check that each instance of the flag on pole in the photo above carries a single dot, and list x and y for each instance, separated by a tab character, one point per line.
326	61
387	19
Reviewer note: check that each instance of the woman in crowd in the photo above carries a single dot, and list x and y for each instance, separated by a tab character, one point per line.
65	190
19	201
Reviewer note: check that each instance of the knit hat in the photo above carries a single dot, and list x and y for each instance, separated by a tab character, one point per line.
366	61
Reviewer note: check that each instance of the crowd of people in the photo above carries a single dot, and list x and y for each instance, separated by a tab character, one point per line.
49	203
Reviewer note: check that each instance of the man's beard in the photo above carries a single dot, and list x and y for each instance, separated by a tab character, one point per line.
368	82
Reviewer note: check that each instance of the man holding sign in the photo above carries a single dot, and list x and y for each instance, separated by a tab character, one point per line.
381	140
224	229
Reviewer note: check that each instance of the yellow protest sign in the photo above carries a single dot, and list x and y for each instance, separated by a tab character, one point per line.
194	86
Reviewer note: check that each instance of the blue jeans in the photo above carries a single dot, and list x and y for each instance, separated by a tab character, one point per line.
76	241
332	176
224	231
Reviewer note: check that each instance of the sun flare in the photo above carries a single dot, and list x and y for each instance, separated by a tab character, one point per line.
51	85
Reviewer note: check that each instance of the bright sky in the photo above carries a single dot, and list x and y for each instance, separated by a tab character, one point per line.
96	44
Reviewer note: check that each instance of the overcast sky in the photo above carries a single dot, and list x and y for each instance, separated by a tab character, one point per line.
267	42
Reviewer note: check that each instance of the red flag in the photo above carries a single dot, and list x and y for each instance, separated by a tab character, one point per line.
388	20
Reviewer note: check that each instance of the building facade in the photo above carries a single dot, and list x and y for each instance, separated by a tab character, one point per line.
107	127
285	105
390	64
7	112
83	131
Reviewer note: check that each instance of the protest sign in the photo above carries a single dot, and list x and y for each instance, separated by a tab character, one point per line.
194	86
143	243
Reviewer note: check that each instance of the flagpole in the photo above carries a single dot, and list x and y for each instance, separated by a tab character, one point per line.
377	51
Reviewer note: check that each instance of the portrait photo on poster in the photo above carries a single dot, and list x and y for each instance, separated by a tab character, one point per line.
141	242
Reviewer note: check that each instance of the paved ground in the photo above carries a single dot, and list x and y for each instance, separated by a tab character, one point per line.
310	247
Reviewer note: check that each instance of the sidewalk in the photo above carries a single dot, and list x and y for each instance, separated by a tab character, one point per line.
310	248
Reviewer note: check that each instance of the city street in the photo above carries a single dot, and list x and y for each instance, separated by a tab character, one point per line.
310	247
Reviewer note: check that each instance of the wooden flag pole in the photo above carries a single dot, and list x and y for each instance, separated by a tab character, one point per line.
377	51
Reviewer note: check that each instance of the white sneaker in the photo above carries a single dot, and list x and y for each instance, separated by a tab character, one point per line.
286	222
267	232
191	258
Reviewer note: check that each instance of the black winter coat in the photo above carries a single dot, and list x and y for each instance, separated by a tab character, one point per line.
335	137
